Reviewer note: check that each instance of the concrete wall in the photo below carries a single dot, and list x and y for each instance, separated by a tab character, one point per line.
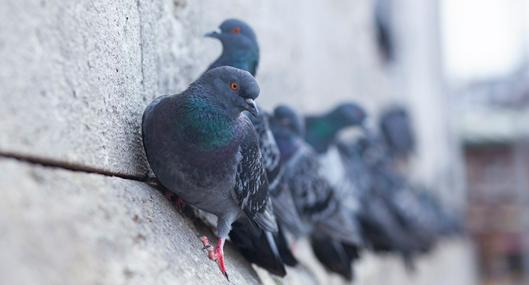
75	78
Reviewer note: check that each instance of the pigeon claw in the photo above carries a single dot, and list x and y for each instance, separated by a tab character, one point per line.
216	254
219	255
204	240
207	246
205	243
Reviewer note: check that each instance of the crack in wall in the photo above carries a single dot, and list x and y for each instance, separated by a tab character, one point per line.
71	166
197	220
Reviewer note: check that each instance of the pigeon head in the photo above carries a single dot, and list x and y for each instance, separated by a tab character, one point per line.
287	128
348	114
239	45
231	89
235	34
287	118
321	131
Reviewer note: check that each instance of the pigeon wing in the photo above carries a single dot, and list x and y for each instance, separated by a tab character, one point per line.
269	150
251	184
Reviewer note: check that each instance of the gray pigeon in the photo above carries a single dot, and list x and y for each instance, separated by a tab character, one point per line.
314	198
200	147
241	50
239	46
322	134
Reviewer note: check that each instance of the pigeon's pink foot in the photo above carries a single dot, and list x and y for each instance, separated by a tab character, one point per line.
208	247
216	254
219	253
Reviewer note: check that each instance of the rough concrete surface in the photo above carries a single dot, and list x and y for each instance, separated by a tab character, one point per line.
61	227
77	75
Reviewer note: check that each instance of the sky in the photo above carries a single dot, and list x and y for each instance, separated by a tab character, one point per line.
483	38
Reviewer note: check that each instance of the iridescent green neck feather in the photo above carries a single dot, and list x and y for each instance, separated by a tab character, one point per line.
206	125
320	133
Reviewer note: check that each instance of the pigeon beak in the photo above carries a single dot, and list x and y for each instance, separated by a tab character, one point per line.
213	34
251	106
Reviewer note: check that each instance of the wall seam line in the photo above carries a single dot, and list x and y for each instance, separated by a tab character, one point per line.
71	166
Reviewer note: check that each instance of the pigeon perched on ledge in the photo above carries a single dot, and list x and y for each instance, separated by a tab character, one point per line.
203	149
241	50
314	198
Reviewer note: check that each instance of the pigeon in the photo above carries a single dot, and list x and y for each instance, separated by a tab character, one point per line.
384	219
322	134
241	50
397	131
321	131
239	46
313	197
201	147
342	172
417	220
333	232
380	228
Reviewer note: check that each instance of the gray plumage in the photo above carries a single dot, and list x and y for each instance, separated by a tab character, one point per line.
314	198
269	149
201	148
286	211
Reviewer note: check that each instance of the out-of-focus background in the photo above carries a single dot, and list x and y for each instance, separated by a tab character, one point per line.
485	56
75	77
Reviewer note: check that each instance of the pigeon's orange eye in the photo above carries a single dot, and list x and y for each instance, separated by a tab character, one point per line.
236	30
234	86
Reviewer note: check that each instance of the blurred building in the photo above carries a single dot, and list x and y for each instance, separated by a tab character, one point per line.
494	132
485	44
